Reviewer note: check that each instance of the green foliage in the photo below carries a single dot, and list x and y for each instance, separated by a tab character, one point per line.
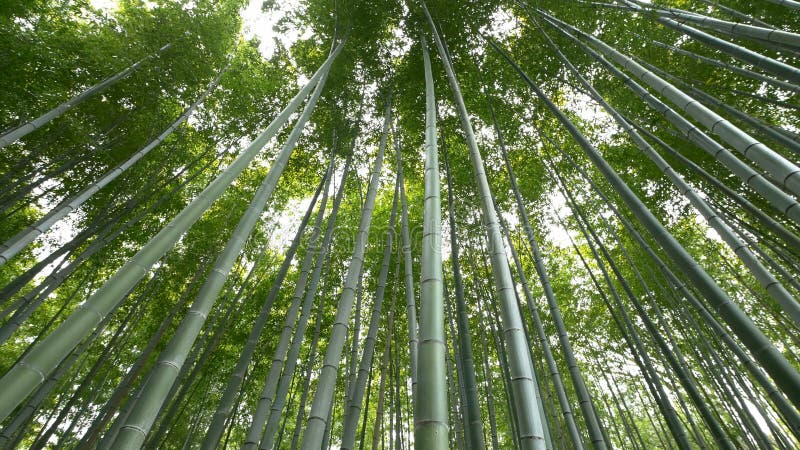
51	51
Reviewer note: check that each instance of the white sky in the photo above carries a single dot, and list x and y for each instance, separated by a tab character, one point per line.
256	23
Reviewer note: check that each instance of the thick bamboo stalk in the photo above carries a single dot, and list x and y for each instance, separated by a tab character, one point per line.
531	433
782	372
310	359
135	430
780	231
787	139
734	28
431	414
123	389
787	3
590	418
773	287
775	196
741	71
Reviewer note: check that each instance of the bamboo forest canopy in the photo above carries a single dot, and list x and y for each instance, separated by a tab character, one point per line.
377	224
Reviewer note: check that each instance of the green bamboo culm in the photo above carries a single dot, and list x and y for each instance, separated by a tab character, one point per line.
778	199
544	279
431	416
785	172
531	433
742	29
781	371
226	404
408	272
268	410
353	412
43	358
474	432
155	390
585	400
770	284
323	397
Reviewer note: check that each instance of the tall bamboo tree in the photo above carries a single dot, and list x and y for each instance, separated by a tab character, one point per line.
133	433
531	434
784	375
353	413
323	397
430	416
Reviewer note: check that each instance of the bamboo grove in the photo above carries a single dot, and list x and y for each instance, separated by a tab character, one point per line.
446	224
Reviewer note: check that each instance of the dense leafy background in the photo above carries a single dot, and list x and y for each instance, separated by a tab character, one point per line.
52	50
